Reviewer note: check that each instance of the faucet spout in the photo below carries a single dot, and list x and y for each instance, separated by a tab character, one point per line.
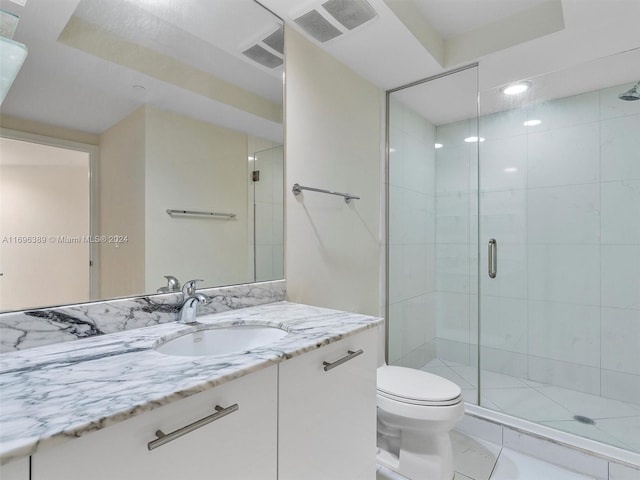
188	310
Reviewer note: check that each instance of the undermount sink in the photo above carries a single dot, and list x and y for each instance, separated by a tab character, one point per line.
221	340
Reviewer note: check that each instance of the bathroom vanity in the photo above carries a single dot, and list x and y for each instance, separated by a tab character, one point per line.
303	406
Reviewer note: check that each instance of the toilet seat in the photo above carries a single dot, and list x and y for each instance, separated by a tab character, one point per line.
416	387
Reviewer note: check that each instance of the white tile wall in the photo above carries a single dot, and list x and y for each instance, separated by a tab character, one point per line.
564	273
563	331
621	211
269	214
567	214
621	340
566	156
620	148
621	276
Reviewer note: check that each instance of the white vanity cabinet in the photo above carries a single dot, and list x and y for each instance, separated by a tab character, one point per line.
241	445
327	419
17	469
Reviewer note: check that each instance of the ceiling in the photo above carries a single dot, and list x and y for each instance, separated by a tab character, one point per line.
511	39
407	41
455	17
93	62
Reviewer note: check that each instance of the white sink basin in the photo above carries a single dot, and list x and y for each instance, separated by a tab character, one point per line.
221	340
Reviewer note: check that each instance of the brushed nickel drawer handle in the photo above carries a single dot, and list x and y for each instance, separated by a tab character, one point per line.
350	354
168	437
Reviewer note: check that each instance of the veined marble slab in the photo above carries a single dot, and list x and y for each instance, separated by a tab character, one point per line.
63	391
34	328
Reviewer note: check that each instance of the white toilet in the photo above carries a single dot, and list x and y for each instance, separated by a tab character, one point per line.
416	412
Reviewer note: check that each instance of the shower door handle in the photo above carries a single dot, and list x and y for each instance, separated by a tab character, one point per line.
493	258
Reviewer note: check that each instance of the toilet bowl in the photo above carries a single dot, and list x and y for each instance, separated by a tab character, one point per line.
416	412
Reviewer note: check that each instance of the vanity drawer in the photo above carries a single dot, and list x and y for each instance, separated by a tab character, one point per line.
241	445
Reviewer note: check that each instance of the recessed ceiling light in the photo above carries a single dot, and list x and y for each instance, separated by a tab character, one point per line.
511	169
473	139
438	145
532	123
20	2
516	88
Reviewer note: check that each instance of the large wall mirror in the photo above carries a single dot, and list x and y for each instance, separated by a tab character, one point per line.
130	140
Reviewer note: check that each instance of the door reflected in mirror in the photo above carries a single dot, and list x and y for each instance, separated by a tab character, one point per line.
126	110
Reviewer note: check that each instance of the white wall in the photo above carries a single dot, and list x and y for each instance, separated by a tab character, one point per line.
334	141
412	299
155	160
194	165
122	206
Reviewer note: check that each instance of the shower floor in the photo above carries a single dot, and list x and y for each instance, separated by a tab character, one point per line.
614	422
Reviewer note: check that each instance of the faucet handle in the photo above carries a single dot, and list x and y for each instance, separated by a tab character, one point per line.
173	284
189	288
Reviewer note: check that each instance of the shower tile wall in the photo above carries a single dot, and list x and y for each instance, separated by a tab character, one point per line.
269	216
563	200
412	302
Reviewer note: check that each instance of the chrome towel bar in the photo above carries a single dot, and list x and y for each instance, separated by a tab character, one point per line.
297	190
201	214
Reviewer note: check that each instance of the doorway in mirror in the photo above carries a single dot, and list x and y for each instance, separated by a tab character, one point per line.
45	234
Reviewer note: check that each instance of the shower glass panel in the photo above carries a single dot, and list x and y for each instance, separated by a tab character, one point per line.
268	204
559	191
432	239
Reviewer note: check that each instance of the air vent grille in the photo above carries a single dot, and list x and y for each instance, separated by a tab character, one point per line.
350	13
263	56
268	52
317	26
276	40
334	18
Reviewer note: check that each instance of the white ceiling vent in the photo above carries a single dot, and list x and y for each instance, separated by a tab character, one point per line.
334	18
269	51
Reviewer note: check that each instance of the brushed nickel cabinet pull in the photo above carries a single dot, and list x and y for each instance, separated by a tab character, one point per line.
168	437
350	354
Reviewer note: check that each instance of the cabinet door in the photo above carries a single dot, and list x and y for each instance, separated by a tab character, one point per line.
327	419
239	446
17	469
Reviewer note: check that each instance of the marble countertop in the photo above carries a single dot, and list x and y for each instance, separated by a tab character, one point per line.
58	392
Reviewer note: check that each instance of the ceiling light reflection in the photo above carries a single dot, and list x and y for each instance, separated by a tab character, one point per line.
516	88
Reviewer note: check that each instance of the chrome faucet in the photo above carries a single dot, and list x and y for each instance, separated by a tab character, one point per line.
173	285
190	301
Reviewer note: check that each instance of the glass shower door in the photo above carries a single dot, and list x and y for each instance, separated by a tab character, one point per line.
559	192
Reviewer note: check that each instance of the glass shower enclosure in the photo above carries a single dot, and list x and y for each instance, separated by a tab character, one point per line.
514	243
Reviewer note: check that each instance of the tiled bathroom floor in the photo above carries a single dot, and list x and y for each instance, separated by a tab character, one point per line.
476	459
615	423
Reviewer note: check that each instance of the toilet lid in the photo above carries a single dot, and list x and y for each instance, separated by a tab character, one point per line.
416	386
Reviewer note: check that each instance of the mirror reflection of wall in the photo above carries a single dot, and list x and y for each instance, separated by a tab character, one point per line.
173	99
